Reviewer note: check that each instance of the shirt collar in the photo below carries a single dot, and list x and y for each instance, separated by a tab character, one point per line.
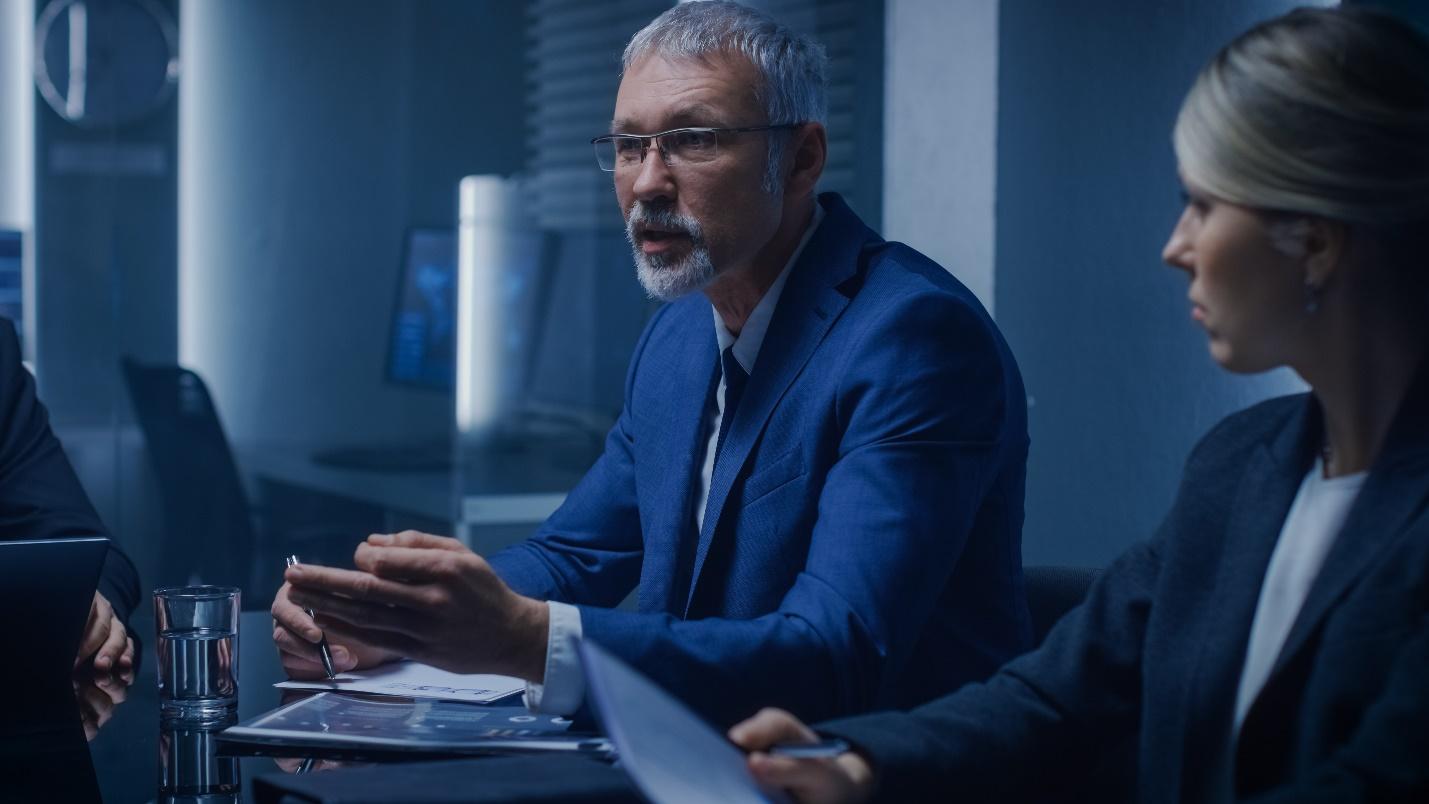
751	337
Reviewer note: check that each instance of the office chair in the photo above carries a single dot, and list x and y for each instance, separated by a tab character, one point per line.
209	531
1053	591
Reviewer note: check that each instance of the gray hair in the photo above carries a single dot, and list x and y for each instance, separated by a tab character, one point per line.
1321	112
791	67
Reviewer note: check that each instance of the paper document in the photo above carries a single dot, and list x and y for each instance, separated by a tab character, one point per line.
669	752
416	680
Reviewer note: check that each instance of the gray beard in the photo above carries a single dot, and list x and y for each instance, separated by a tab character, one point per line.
665	278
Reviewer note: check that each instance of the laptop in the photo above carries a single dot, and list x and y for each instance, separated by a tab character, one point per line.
670	753
46	588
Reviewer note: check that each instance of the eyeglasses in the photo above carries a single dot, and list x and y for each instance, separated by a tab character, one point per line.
678	146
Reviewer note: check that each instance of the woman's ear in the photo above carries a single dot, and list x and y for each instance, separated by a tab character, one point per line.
1324	245
1318	243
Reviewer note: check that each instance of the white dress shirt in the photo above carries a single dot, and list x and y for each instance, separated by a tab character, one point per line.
564	687
1310	529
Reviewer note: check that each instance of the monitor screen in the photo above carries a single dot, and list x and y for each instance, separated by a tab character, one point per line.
12	299
422	346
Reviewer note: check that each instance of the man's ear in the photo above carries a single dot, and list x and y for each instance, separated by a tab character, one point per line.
808	151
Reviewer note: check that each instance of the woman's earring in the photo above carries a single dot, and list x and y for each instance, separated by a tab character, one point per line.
1312	298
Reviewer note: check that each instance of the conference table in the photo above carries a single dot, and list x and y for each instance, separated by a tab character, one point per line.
132	757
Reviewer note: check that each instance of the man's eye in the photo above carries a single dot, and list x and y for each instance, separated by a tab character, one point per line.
627	145
690	141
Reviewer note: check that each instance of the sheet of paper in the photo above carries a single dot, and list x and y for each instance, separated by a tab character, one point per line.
669	752
416	680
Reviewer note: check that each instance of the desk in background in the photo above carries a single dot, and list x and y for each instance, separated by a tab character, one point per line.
488	500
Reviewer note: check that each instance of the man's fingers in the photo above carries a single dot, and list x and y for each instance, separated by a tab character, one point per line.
414	564
355	613
96	629
413	538
365	585
113	646
294	620
768	727
396	642
307	654
126	659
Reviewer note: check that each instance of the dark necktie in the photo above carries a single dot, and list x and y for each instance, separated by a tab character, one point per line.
735	379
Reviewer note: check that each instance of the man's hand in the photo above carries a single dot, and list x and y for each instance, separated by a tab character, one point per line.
297	636
431	599
106	643
845	779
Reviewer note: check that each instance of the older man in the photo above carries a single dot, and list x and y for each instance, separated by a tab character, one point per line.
816	481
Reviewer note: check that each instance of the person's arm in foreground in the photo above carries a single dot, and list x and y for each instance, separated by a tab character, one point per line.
1052	709
41	498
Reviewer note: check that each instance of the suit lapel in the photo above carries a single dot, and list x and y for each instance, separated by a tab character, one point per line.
808	307
693	376
1268	486
1394	495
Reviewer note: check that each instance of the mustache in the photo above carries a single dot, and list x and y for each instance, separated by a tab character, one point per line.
643	216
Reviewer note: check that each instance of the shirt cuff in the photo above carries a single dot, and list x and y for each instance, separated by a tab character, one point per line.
564	687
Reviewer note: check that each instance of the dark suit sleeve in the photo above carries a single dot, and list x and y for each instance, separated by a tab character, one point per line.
40	497
1387	757
1037	727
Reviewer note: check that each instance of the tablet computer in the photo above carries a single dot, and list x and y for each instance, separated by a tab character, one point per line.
372	726
46	589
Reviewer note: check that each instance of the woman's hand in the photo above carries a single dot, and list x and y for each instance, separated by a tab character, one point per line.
845	779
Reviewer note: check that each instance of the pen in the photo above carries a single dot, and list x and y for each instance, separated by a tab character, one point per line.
322	643
824	749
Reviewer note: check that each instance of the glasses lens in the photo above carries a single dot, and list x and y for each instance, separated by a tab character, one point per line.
689	146
605	154
618	151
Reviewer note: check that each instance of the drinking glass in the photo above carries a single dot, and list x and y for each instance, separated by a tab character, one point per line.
198	651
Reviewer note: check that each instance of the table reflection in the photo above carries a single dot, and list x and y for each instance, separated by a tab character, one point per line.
190	770
97	695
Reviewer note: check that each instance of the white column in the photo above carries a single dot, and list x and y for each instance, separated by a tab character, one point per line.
17	114
940	134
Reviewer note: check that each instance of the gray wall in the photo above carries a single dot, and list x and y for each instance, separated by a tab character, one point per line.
313	135
1119	379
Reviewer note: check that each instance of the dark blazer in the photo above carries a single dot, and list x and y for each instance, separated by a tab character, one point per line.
40	497
1155	654
861	543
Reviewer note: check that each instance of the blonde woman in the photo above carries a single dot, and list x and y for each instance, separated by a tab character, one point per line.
1271	642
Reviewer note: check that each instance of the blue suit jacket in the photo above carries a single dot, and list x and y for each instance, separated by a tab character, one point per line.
1153	658
861	542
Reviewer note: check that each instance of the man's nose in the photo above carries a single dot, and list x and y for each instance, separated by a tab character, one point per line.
653	178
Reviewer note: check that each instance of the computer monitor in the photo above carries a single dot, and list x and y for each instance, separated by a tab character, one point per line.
12	286
421	350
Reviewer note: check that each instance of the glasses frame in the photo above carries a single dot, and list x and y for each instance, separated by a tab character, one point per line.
656	139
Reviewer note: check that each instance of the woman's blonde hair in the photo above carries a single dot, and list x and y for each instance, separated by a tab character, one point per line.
1322	111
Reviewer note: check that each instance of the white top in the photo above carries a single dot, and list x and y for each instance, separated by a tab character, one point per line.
1310	529
564	687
